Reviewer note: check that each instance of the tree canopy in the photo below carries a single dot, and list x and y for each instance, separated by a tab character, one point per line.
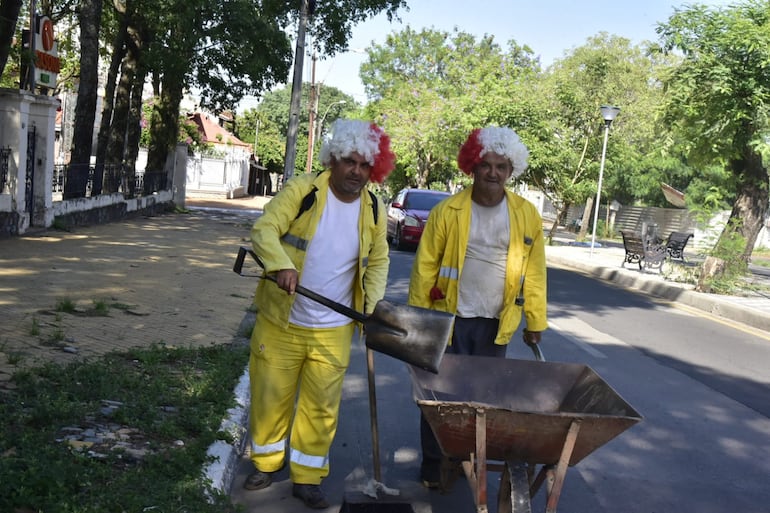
717	100
267	124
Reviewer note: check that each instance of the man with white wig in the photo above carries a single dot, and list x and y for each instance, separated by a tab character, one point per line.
482	258
321	232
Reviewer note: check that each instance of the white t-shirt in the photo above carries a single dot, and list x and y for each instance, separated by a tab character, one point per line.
482	282
330	265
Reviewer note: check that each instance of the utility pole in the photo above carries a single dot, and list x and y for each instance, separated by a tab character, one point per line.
313	107
296	91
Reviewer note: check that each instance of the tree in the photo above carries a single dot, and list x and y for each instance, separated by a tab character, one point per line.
429	89
9	15
231	49
568	128
89	18
273	116
717	99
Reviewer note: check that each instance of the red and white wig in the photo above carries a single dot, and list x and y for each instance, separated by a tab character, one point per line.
503	141
366	139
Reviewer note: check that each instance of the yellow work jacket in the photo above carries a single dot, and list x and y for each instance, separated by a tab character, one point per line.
280	241
441	254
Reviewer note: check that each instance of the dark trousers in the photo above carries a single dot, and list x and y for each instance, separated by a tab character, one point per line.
471	336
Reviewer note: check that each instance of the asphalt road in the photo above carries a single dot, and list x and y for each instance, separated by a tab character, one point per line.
701	384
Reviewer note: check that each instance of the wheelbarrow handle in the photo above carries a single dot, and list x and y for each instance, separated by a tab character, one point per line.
337	307
537	352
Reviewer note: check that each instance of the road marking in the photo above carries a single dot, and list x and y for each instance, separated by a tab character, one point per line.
756	332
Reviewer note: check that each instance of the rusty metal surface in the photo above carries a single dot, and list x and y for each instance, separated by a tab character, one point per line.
529	407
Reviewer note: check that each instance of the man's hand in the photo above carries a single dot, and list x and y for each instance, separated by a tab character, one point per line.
532	337
287	280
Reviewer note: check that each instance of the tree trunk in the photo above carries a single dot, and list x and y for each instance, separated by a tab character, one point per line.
751	204
116	143
586	219
712	267
118	52
555	225
164	132
89	17
134	131
9	16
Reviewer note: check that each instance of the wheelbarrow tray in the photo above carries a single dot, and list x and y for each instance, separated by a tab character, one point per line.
529	407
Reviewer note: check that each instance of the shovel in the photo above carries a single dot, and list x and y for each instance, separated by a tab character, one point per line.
417	336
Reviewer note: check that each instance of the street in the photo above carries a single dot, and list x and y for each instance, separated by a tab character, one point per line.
701	385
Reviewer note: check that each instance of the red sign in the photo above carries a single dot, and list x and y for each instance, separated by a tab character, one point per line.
47	62
46	34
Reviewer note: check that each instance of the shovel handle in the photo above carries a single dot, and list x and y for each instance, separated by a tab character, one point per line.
337	307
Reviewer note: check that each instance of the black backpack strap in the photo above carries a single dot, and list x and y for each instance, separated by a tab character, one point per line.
307	202
375	209
309	199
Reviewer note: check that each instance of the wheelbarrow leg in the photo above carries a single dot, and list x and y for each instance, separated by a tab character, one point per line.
559	472
476	468
514	489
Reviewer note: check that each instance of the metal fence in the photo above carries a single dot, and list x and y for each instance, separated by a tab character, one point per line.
5	154
114	178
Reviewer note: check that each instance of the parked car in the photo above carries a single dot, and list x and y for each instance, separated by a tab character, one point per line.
407	214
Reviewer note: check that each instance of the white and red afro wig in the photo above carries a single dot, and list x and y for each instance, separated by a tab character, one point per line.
366	139
500	140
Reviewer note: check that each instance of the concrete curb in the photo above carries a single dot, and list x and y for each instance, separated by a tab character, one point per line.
224	456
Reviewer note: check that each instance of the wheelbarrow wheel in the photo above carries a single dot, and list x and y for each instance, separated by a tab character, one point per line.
513	496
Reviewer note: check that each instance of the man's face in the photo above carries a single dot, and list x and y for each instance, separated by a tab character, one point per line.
491	174
349	175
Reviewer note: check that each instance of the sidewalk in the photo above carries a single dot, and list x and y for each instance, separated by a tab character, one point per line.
169	279
606	262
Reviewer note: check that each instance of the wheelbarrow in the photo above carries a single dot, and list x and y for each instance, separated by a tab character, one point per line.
529	420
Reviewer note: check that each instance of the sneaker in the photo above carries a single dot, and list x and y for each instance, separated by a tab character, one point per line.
311	495
432	485
258	480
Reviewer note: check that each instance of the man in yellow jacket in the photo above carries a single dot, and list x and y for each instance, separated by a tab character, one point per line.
326	233
482	258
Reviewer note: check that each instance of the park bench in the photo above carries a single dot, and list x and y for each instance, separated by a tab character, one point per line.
645	252
676	243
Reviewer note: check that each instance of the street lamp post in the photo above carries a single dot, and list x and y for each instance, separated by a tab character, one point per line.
608	113
320	125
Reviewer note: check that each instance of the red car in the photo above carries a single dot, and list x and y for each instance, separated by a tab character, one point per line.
407	214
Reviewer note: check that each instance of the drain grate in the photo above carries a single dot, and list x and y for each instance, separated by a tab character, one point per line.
376	507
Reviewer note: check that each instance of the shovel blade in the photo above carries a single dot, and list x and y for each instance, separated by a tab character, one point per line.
417	336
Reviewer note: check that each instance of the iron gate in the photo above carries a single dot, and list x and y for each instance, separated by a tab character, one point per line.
29	183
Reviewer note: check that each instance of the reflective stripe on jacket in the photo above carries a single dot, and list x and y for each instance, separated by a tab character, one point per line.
441	254
281	241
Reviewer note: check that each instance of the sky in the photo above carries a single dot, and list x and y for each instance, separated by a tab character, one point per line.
549	27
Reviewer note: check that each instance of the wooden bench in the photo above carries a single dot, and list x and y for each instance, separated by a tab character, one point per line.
647	254
676	243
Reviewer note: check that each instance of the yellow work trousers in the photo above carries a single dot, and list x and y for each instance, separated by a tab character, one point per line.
306	365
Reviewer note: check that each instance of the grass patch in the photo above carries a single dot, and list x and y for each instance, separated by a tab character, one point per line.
100	308
166	394
34	329
13	357
761	257
56	337
65	305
